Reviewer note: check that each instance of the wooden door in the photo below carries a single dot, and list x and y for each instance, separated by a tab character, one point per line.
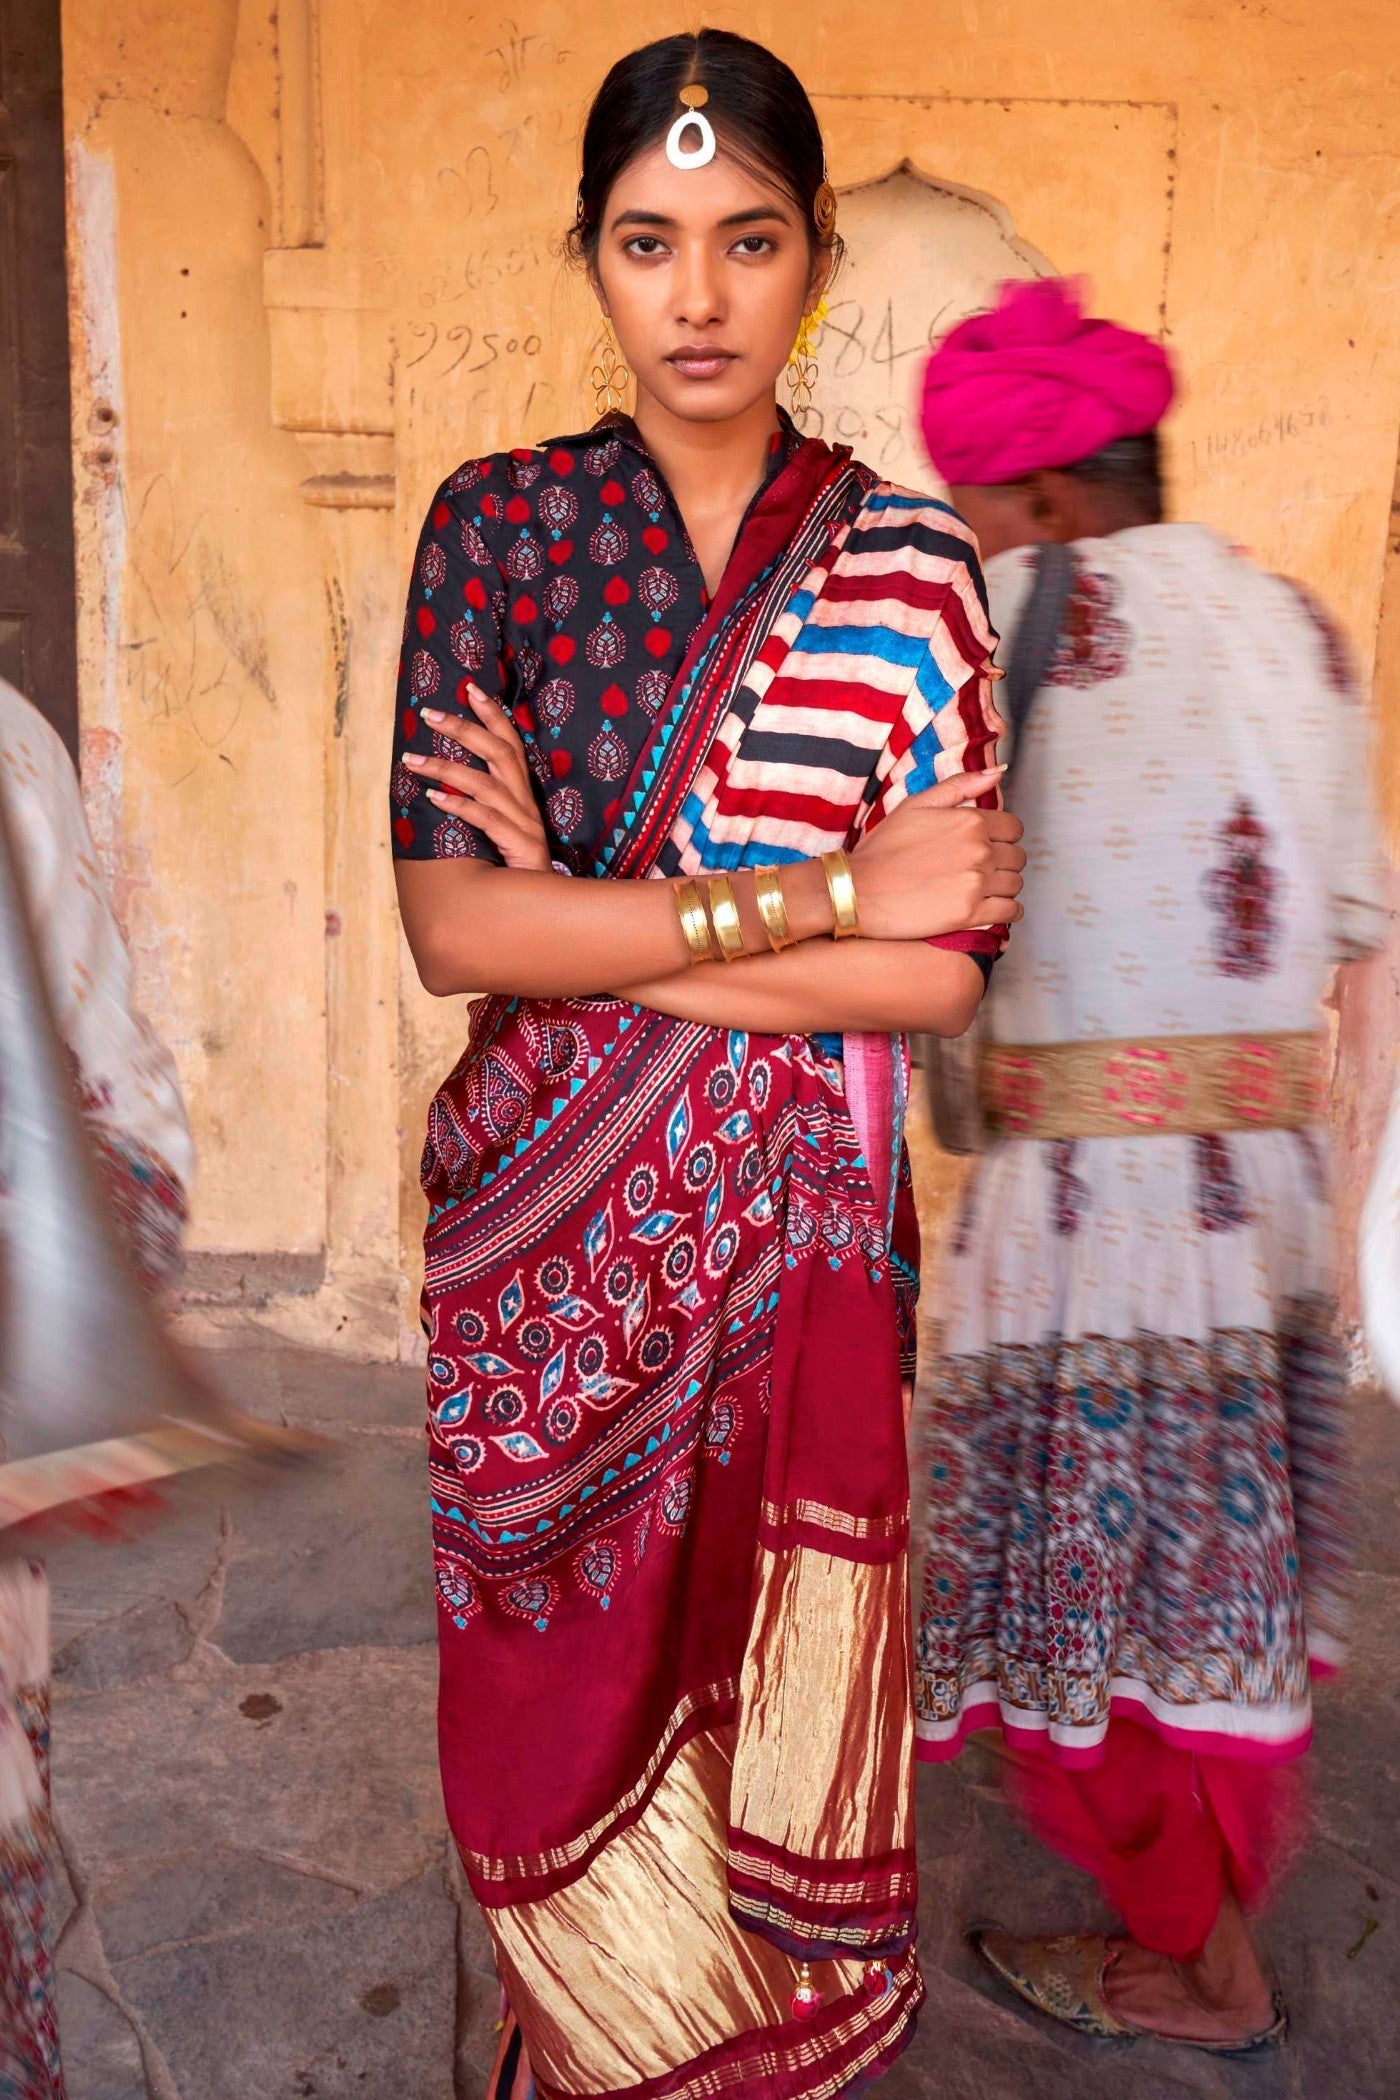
37	638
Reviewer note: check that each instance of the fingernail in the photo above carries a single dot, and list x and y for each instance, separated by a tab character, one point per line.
436	795
433	714
414	758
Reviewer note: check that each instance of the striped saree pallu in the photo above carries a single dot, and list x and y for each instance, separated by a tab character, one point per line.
669	1489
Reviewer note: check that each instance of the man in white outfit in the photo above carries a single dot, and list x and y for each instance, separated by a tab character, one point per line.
1136	1546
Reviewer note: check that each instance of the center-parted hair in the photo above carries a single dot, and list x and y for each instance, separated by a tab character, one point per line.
759	108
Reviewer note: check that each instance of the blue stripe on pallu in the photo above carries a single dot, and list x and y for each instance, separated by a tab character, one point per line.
755	853
881	642
891	499
933	686
925	752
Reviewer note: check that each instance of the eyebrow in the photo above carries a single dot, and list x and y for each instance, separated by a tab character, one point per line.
752	217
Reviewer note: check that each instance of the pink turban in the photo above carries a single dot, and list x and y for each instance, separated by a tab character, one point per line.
1034	384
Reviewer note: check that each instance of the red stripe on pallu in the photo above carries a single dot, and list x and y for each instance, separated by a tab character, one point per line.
853	696
902	587
781	808
958	625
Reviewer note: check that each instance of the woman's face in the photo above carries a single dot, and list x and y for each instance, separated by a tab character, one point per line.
705	274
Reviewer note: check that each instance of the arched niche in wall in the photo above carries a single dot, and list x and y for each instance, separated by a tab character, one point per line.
921	255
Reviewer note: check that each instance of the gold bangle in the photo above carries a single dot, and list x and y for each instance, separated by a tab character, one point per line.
694	925
724	917
841	888
772	909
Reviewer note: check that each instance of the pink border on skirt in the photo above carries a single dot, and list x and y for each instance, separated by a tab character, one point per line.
987	1713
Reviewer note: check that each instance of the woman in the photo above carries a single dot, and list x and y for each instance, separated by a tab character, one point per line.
670	1498
135	1120
1135	1427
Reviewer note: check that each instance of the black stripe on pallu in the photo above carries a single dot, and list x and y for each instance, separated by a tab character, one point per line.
923	539
775	747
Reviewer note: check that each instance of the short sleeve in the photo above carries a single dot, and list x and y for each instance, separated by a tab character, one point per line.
949	724
452	634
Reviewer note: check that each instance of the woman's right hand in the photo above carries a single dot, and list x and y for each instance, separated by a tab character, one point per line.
938	865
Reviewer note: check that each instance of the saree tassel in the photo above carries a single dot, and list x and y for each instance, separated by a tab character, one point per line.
807	2000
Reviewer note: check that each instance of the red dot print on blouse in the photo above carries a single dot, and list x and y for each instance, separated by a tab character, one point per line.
561	648
525	610
560	764
656	539
658	641
403	830
517	511
560	461
614	700
617	590
474	591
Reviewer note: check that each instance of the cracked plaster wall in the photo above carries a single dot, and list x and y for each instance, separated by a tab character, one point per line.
256	439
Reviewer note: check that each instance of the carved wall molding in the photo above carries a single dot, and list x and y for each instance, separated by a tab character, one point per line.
330	335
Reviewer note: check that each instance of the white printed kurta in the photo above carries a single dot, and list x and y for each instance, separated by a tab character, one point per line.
1132	1427
135	1120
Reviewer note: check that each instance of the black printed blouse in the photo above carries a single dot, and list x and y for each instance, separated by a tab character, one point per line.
559	578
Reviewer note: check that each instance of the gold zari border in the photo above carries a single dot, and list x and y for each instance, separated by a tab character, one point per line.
525	1866
1166	1085
803	1511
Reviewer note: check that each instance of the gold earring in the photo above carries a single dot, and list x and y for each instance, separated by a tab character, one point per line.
610	377
802	364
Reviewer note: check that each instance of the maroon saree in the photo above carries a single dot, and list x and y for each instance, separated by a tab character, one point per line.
670	1496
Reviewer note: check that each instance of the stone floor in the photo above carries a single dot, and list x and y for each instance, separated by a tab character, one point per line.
262	1905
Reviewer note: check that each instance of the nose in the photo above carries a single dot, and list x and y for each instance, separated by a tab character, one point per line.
698	286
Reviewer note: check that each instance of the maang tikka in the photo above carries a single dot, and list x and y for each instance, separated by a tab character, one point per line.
691	118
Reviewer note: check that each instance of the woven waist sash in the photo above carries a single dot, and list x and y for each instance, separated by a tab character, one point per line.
1164	1085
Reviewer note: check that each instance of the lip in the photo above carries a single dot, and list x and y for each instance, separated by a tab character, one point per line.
701	361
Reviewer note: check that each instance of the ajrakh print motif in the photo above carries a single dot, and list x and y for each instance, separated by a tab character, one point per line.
1132	1513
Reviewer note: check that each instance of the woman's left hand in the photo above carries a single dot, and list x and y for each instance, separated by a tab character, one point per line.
499	801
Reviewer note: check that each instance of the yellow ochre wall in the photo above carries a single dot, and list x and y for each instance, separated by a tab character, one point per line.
314	263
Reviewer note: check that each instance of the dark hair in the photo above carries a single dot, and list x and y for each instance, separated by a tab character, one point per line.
1132	468
757	105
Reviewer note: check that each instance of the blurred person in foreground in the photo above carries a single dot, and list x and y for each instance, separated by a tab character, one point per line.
131	1108
1133	1430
